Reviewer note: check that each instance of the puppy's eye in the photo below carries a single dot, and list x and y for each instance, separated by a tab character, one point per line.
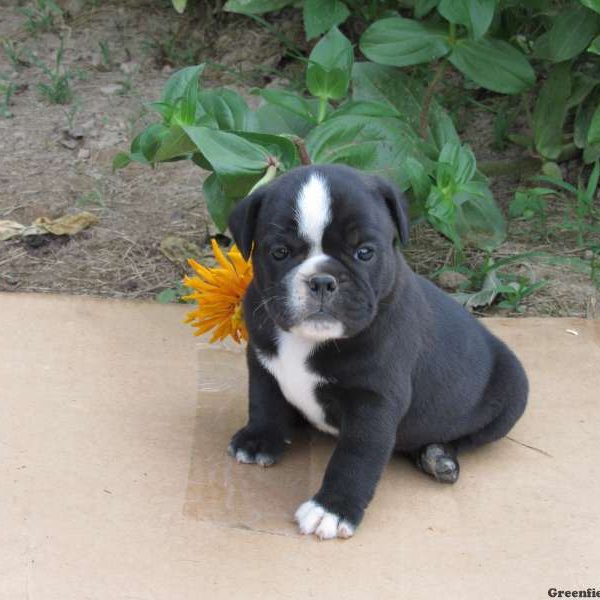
279	252
364	253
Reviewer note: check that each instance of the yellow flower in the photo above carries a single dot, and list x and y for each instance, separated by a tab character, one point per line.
219	292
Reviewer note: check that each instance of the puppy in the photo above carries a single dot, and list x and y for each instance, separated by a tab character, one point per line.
343	333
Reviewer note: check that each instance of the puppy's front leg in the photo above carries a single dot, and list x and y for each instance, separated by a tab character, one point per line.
270	419
366	441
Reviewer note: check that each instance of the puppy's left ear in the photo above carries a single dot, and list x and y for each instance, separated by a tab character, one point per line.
397	206
242	221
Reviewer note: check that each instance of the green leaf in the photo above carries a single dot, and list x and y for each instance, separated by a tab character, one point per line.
175	144
120	161
292	102
593	4
330	66
179	5
461	160
494	65
582	86
364	108
479	221
475	15
442	126
237	162
572	31
551	111
420	184
594	47
218	204
148	142
593	135
441	213
167	296
378	145
485	296
403	42
277	146
529	203
422	7
164	109
177	84
278	120
583	118
254	7
321	15
467	214
185	112
391	87
226	108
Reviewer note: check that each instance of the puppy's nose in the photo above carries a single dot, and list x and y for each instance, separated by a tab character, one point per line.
322	284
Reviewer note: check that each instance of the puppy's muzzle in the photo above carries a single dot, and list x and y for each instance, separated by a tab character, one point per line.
322	286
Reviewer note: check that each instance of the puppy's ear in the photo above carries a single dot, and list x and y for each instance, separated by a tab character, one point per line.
397	206
242	221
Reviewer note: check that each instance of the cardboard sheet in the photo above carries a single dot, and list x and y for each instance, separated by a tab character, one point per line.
115	482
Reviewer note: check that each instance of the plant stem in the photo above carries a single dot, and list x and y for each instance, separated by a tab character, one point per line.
423	118
452	32
302	151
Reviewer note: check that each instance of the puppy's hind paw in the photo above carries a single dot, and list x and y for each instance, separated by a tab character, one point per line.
313	518
439	461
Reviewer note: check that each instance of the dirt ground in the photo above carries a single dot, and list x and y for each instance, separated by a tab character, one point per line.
56	159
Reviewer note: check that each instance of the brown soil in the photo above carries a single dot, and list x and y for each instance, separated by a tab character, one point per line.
56	160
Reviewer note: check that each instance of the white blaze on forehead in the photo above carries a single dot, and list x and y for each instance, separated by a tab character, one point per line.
313	211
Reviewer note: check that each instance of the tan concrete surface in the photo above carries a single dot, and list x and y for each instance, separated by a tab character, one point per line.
115	485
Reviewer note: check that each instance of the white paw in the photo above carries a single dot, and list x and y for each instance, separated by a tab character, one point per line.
264	460
313	518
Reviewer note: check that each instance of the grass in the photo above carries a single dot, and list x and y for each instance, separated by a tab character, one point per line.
41	16
57	89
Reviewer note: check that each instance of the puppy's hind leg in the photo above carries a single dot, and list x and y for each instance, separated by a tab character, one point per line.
439	461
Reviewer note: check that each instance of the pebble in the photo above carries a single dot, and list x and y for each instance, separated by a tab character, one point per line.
451	280
83	154
111	90
129	68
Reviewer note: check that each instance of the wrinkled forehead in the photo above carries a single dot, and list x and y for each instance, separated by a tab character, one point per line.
313	203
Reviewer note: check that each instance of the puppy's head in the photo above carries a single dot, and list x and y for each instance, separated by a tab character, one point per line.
323	243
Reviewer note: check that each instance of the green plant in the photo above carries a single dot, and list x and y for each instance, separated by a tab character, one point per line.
489	283
105	54
41	16
318	16
363	115
454	32
57	90
173	294
514	292
585	213
7	89
18	55
530	204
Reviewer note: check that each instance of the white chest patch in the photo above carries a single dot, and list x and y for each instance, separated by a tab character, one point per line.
296	381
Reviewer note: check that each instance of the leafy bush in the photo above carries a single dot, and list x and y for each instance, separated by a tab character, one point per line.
381	115
361	114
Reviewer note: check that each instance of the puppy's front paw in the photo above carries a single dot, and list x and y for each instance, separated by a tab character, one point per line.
256	447
313	518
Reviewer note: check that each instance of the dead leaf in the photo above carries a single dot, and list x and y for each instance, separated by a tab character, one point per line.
67	224
10	229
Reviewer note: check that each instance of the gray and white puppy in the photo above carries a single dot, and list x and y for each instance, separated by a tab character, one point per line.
345	335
